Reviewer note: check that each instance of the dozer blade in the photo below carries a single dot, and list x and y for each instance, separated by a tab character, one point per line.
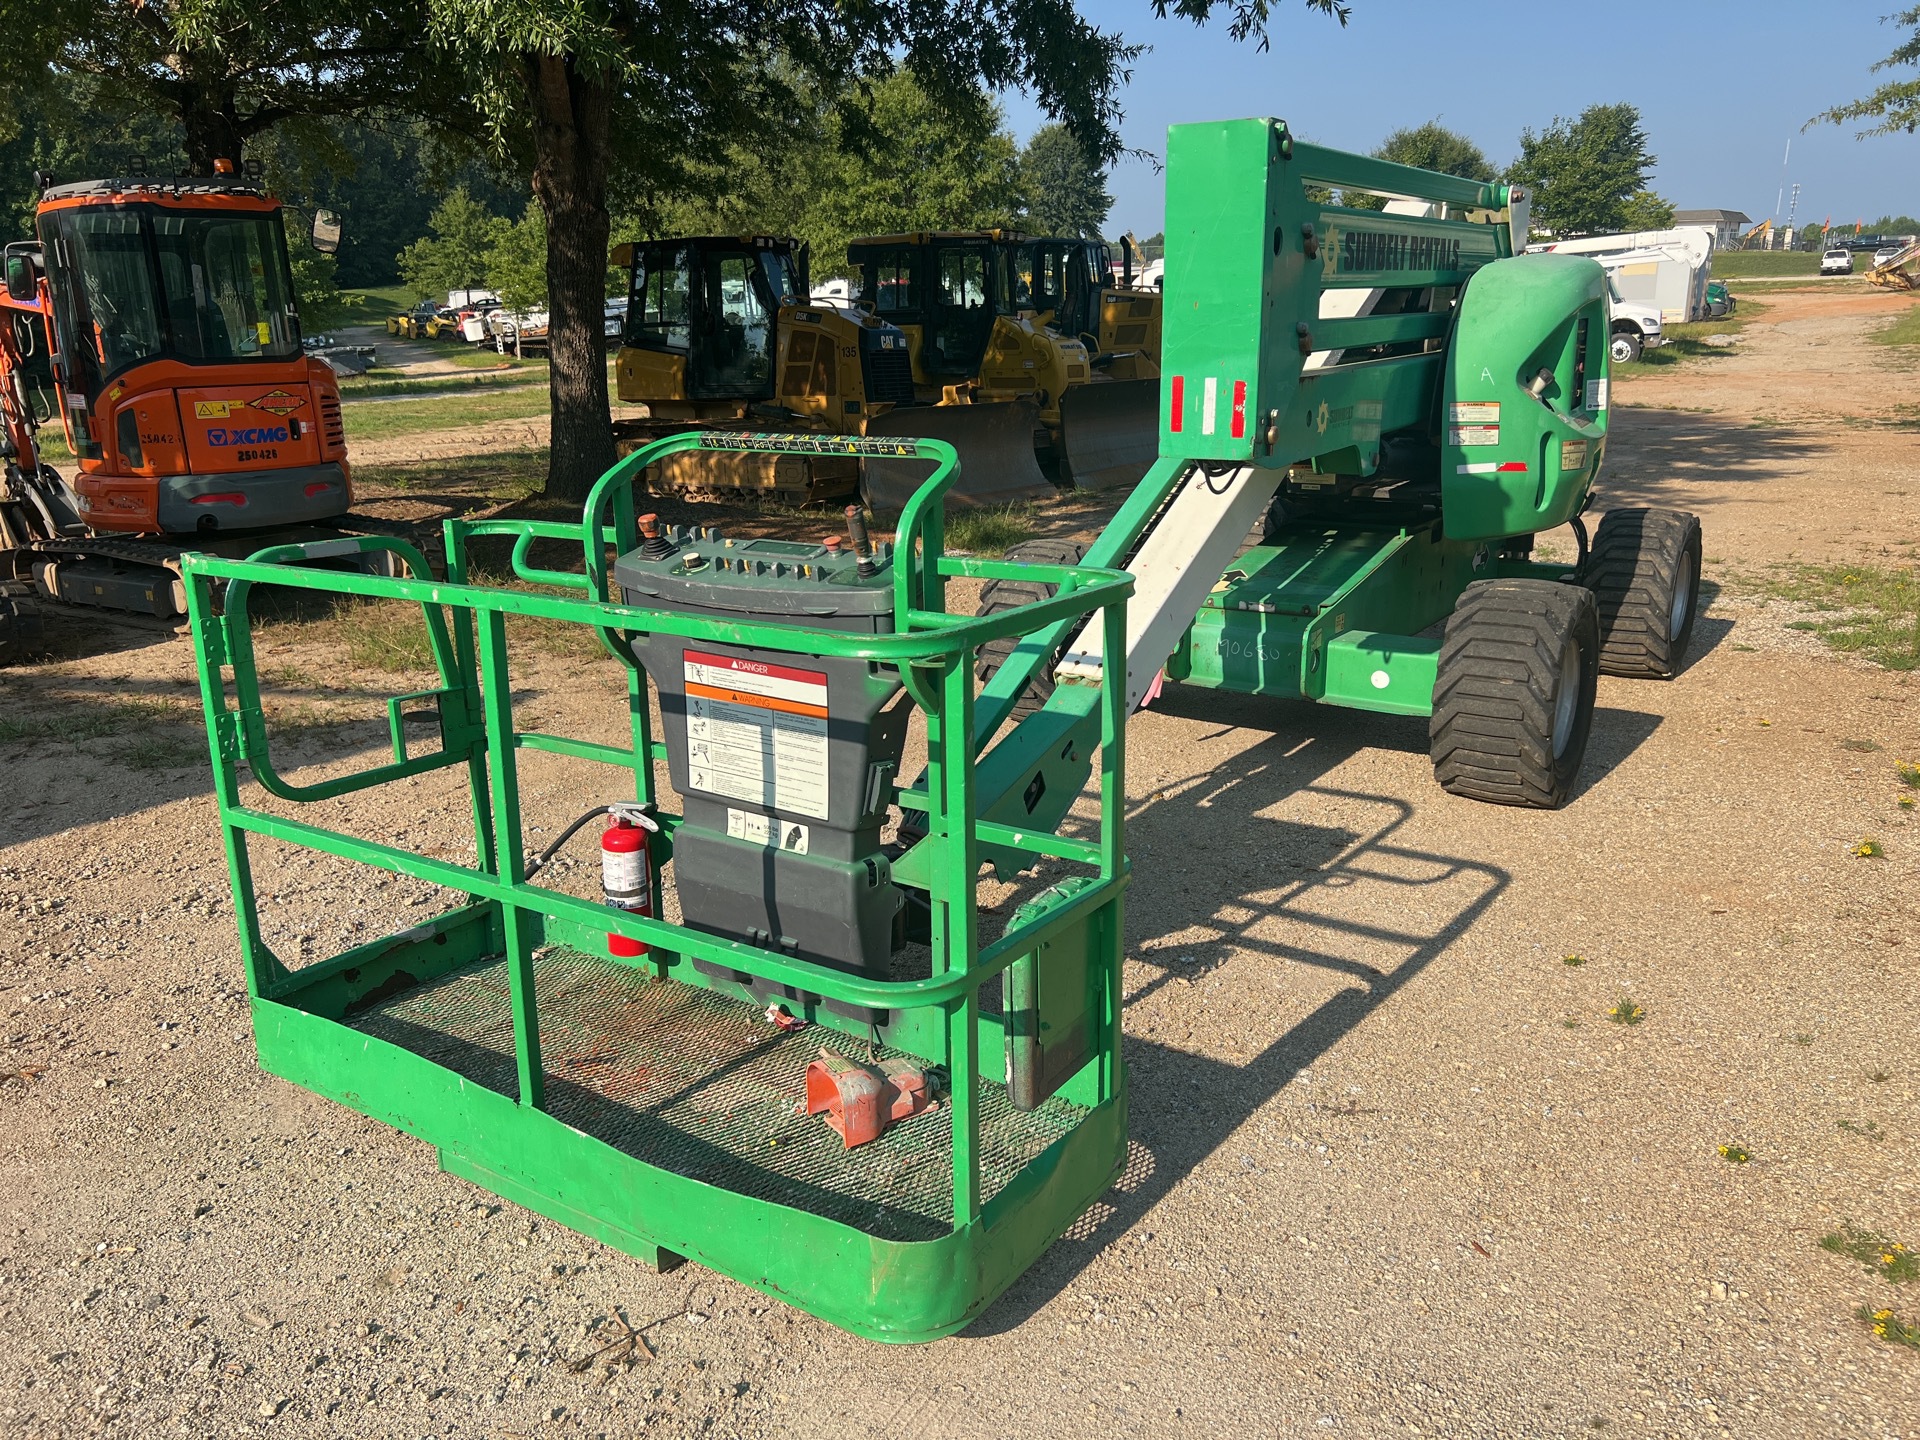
995	444
1109	432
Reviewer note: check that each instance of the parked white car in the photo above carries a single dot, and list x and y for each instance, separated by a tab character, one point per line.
1837	261
1886	253
616	318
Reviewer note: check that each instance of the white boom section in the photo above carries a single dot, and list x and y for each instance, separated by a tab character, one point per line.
1181	560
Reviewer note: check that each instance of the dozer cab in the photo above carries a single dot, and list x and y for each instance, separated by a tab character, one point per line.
1107	426
720	335
154	321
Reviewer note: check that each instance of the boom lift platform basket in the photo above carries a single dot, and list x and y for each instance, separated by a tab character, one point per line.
647	1101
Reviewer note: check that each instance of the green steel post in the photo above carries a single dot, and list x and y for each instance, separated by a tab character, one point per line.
509	858
956	920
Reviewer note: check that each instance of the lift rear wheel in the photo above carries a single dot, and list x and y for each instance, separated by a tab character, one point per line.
1513	701
1644	571
1001	595
1624	347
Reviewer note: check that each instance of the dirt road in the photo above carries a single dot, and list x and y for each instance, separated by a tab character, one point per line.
1394	1170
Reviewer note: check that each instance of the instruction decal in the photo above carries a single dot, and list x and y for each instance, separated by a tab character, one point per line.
767	830
1474	412
757	732
1596	396
1573	454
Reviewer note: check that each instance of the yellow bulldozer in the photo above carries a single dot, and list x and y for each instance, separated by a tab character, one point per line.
998	326
720	334
1899	271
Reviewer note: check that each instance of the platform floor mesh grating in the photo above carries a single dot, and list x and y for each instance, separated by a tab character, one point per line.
701	1085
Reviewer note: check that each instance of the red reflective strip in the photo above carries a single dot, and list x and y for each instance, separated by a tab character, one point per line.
1511	467
1239	428
319	487
1179	402
225	497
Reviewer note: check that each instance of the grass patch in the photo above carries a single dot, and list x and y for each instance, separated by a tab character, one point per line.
384	380
497	474
414	417
1765	264
1689	341
1877	1254
161	752
1866	610
1627	1012
85	718
990	531
1904	331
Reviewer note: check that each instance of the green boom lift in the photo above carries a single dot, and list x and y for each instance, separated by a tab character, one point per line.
738	1054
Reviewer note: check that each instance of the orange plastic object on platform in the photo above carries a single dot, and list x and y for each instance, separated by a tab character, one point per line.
861	1101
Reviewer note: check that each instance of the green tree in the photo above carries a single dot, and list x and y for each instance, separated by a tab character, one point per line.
1894	106
1585	171
1644	210
603	92
1064	189
1428	147
516	262
227	71
456	255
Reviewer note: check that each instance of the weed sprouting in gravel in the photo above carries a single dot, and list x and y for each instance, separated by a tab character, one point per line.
1866	1130
1889	1326
1870	849
1627	1012
1876	1253
1908	773
1880	1077
1735	1154
1803	1037
1859	747
1575	960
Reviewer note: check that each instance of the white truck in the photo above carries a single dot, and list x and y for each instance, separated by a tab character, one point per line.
1633	325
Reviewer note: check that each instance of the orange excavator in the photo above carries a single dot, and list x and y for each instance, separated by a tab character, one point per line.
154	321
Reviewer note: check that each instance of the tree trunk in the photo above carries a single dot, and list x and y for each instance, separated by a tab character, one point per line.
571	114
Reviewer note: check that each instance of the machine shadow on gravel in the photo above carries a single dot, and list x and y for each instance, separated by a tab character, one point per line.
1345	896
1681	460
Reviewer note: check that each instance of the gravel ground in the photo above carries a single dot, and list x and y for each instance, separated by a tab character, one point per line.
1393	1171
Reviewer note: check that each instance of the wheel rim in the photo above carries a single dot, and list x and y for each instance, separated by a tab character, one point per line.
1566	703
1682	605
1622	350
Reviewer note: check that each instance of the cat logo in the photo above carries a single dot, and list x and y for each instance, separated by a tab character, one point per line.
279	402
213	409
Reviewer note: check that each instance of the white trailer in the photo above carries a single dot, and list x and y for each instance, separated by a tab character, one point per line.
1682	261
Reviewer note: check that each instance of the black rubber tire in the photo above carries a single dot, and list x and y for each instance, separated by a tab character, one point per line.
1496	701
1644	571
1627	341
1002	595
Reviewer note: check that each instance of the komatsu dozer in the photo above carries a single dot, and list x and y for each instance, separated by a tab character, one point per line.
720	335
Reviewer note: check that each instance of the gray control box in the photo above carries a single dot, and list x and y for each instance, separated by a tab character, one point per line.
786	762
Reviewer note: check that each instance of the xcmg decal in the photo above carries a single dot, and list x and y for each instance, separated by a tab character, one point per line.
266	435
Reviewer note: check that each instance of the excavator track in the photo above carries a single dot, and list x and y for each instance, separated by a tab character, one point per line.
698	475
141	575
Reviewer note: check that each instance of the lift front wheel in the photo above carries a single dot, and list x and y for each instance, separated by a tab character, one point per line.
1514	698
1644	571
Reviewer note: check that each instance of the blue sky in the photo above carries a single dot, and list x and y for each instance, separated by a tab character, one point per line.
1721	87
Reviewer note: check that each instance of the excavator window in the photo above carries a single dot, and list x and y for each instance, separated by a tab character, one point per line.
891	282
139	283
963	310
660	309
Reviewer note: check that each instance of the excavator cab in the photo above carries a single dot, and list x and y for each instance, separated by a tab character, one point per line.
944	291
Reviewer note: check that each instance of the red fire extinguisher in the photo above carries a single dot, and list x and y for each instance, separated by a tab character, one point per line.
626	874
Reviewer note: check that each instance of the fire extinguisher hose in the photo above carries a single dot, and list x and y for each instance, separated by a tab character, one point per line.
539	861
